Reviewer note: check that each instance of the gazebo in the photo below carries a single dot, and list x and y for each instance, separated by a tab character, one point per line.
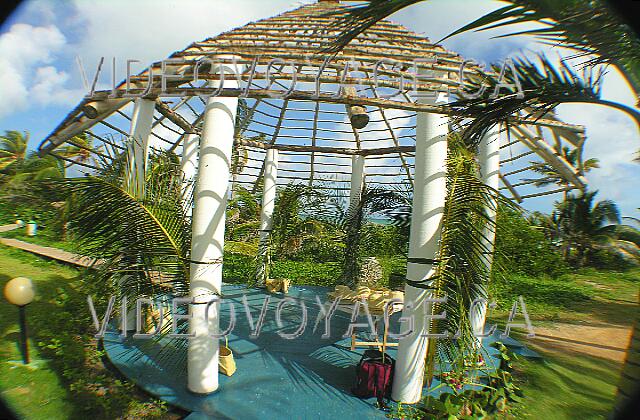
377	112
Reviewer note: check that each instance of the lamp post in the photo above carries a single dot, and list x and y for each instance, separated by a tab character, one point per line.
19	291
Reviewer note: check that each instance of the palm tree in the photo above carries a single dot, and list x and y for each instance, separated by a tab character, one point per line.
144	242
351	220
243	216
13	150
79	150
297	220
37	168
552	176
296	226
20	166
548	223
33	168
584	224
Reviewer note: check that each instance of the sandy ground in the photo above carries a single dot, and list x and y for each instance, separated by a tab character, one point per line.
606	341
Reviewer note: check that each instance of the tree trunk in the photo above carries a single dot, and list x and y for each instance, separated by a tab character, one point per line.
351	266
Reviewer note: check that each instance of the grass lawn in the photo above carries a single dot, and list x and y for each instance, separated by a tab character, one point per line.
574	380
66	379
35	393
566	386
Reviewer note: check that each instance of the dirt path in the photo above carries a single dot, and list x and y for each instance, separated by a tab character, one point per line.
606	341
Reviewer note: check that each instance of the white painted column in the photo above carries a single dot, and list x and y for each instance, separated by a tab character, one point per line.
210	203
137	155
141	121
426	224
266	210
189	167
357	181
489	160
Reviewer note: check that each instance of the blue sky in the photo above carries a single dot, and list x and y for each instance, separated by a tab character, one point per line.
40	82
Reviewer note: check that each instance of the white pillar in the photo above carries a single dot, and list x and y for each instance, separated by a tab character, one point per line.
137	155
141	122
426	223
189	167
210	202
489	160
266	211
357	181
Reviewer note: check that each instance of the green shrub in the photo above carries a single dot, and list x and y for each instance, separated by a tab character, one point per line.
523	249
241	248
238	268
491	398
538	293
607	259
44	214
322	249
241	268
383	241
394	271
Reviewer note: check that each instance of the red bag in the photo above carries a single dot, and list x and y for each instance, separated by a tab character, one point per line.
374	375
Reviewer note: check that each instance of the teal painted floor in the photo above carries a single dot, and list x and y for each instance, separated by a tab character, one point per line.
306	378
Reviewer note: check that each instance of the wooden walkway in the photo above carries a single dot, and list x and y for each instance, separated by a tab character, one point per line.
7	228
47	251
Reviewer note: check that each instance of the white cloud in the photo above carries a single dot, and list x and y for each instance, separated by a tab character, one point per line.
12	88
25	44
22	49
49	87
149	30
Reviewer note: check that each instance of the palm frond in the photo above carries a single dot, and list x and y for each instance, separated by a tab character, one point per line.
13	150
606	211
292	226
590	28
462	274
372	200
543	87
144	243
352	21
552	176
